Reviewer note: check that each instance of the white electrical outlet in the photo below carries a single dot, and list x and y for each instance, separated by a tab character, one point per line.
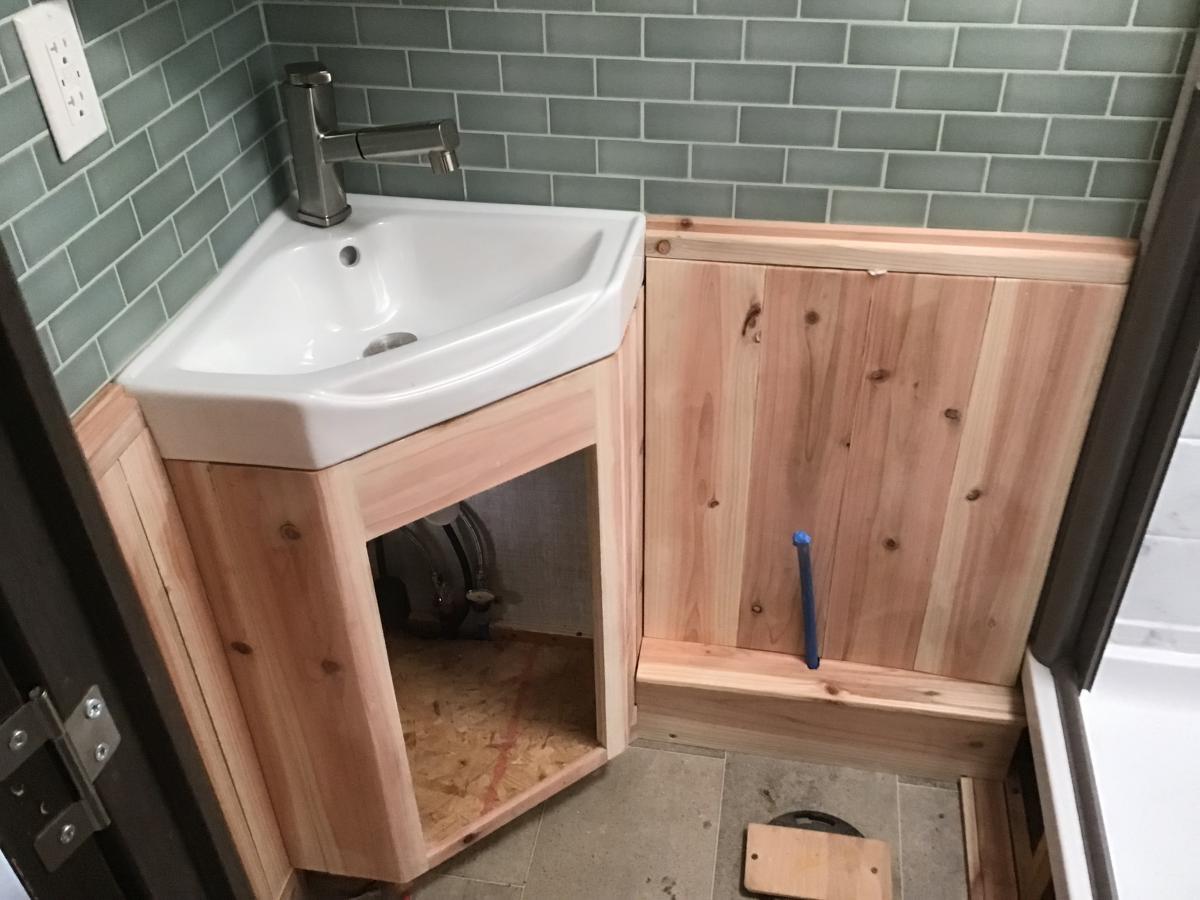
54	54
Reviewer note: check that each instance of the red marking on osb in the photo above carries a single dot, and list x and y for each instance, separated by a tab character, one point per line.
491	796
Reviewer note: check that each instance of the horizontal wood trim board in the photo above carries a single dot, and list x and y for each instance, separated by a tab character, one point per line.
506	812
918	250
427	471
760	673
840	714
109	423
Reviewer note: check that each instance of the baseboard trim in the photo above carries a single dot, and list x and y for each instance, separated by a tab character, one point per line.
849	714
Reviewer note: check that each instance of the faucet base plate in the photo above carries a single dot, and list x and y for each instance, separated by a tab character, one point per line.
324	221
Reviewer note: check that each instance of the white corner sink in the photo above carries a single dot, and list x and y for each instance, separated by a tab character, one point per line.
266	366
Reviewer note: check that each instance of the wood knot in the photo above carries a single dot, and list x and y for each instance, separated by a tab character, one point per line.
714	503
686	223
756	608
952	414
468	837
891	544
812	317
289	532
751	319
330	667
879	375
663	247
241	647
974	494
832	690
975	745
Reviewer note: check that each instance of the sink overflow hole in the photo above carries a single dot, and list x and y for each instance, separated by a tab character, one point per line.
348	255
389	341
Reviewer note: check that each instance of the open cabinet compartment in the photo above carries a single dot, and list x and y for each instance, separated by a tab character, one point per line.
284	560
494	720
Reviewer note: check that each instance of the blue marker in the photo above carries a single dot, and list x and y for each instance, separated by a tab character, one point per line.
808	600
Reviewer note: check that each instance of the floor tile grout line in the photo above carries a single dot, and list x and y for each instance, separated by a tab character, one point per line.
712	890
533	849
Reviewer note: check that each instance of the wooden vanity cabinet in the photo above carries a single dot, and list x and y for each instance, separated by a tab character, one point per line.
919	416
331	760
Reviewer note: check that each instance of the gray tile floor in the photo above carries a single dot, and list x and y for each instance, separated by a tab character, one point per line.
669	824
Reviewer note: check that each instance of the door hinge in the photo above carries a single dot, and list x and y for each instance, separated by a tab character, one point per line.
85	743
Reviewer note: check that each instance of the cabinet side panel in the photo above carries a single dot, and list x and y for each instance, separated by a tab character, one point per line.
286	570
615	490
811	370
923	341
1043	355
703	323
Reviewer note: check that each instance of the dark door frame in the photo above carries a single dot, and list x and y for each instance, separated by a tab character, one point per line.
1143	399
69	619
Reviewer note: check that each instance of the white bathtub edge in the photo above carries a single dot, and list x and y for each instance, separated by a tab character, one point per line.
1064	836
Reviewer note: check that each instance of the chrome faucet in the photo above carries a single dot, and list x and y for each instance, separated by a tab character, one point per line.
317	143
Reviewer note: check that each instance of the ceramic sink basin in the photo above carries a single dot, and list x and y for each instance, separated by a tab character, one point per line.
316	345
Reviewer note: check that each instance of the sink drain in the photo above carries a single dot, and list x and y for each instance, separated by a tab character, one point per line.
389	341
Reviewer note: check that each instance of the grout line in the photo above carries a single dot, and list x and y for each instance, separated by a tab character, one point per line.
128	198
533	850
717	827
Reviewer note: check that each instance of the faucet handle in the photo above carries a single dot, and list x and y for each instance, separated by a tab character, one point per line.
310	73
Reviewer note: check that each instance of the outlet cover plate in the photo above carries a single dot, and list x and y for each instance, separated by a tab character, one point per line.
54	53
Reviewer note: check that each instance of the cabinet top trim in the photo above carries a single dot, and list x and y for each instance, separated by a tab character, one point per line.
1047	257
106	425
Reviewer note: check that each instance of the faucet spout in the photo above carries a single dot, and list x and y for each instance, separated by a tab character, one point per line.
317	144
412	139
443	162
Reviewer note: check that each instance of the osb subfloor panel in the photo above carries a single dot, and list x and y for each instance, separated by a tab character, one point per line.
485	721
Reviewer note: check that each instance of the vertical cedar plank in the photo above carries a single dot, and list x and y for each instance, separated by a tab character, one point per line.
146	520
139	558
631	363
287	574
991	874
923	342
615	476
1044	353
702	358
811	371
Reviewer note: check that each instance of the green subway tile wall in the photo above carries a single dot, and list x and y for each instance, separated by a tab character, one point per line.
1043	115
110	245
